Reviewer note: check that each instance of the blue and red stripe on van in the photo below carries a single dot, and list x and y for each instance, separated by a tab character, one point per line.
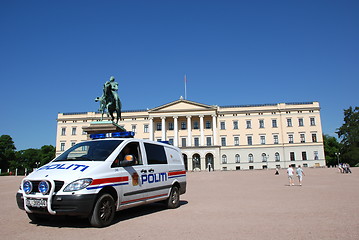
174	174
103	182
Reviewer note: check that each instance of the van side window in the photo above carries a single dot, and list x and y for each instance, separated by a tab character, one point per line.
155	154
133	149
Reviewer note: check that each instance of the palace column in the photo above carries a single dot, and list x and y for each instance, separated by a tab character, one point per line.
175	129
163	127
202	130
189	128
151	129
214	129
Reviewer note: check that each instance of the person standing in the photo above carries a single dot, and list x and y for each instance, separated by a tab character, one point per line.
290	172
300	174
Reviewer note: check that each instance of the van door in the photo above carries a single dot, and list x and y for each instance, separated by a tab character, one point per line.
131	193
156	179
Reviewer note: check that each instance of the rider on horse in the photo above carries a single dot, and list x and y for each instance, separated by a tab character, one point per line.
110	100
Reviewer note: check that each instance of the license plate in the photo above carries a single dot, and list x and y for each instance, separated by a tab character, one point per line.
36	203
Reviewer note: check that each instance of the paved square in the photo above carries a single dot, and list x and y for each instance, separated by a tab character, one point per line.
218	205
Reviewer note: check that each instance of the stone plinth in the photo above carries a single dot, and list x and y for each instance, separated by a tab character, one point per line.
103	127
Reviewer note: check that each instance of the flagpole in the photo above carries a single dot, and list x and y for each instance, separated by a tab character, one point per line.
185	87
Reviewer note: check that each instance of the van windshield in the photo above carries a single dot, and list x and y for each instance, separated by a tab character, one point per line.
89	151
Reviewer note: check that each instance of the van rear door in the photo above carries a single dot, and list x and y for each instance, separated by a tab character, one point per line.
156	179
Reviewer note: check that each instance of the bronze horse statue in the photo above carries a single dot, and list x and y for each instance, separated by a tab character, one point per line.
110	102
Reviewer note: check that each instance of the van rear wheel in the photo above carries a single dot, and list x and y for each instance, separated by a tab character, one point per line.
173	200
103	212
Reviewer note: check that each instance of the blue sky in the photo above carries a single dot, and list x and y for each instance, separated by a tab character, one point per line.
56	55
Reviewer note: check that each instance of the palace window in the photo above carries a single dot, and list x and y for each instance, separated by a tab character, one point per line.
249	124
159	126
314	137
249	140
223	125
261	123
300	122
170	126
235	124
250	158
184	142
145	128
312	121
62	146
264	157
224	159
236	141
304	156
277	157
208	125
302	138
63	131
263	139
276	139
196	141
73	132
183	125
223	141
195	125
289	122
237	158
290	137
209	141
292	156
274	123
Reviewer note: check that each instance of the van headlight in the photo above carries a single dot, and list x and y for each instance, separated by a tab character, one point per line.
78	185
44	187
27	186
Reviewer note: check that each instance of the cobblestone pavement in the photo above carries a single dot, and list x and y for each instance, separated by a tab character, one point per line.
218	205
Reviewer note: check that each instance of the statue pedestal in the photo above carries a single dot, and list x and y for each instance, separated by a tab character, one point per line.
103	127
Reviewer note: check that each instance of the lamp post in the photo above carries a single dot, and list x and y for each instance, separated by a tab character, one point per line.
37	164
338	155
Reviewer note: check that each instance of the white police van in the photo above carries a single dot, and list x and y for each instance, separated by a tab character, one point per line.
98	177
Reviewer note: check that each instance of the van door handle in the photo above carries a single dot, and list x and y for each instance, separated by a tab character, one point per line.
151	170
143	171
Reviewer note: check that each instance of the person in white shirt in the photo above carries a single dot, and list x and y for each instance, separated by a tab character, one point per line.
290	172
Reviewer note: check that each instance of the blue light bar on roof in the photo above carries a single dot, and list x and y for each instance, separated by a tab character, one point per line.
98	136
123	134
115	134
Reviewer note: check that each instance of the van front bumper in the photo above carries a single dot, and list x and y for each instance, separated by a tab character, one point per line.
71	205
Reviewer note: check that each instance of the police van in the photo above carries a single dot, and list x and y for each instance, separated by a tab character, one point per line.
96	178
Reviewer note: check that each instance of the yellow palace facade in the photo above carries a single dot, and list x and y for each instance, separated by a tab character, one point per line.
241	137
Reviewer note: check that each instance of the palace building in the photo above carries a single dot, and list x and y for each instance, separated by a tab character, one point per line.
238	137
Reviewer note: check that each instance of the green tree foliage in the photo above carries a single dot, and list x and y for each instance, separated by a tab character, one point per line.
32	158
23	159
7	151
331	146
349	135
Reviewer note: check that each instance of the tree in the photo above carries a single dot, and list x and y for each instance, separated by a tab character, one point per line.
47	153
7	151
349	135
33	158
331	147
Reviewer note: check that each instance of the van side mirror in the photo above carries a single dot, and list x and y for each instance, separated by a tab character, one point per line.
128	160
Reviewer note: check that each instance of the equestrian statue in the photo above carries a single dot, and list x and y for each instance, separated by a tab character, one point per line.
110	101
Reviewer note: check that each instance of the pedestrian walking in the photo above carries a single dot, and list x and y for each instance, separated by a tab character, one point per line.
209	166
276	171
290	172
300	174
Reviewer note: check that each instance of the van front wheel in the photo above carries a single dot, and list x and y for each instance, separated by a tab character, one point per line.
103	212
173	200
